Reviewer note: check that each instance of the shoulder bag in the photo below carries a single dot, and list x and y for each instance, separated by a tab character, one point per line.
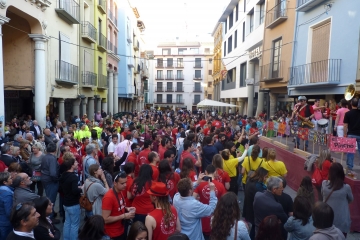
329	195
236	227
84	200
316	177
251	172
274	169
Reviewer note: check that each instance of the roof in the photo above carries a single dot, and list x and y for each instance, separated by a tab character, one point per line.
215	28
230	7
179	44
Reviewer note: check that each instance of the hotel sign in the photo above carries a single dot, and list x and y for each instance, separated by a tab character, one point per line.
257	52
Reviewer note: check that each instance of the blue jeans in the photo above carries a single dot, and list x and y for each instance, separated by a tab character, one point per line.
5	230
72	222
51	190
350	156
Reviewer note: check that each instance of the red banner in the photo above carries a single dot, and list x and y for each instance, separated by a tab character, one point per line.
342	144
303	133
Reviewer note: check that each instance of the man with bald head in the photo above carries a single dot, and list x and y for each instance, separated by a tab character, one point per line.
22	192
36	129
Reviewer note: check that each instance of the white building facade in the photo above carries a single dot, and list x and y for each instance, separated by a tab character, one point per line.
241	52
182	74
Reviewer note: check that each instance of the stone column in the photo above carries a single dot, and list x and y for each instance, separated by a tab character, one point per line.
273	103
250	88
62	109
104	105
84	104
91	108
116	93
2	99
241	107
233	109
98	104
40	78
260	105
76	107
110	98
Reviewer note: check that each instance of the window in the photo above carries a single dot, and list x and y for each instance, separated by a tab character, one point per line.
197	87
207	50
160	62
196	99
166	51
237	12
169	62
181	51
243	32
179	62
168	98
179	87
226	26
224	48
194	50
159	74
198	74
230	44
231	75
198	62
209	84
179	74
235	39
251	21
243	75
244	5
231	19
275	70
159	98
146	85
209	96
169	86
179	98
159	86
210	60
169	74
210	72
262	12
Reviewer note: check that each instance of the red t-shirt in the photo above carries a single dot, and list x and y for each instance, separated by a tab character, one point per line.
134	159
216	124
206	131
193	176
204	193
325	169
142	201
302	112
222	176
243	121
143	157
161	152
110	203
156	173
186	154
171	183
173	134
161	231
129	183
202	123
253	130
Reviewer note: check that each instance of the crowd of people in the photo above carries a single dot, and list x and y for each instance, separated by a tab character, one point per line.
160	175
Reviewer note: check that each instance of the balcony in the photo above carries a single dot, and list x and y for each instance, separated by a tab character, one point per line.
102	83
159	77
137	69
272	72
169	89
136	45
198	77
102	6
179	77
198	65
66	73
110	46
146	87
160	65
197	90
305	5
115	50
102	43
159	89
179	89
130	62
169	65
179	65
169	77
68	10
128	39
168	101
88	32
112	17
144	73
89	79
276	15
324	72
196	101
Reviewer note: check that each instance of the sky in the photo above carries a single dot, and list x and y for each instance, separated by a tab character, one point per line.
167	19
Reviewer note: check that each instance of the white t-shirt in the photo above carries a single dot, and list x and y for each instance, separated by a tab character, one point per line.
111	147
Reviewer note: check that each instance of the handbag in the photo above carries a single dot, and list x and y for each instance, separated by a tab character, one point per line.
84	201
236	227
36	177
316	178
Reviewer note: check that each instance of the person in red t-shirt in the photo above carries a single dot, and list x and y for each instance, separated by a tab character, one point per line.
165	145
188	148
202	122
163	221
221	175
129	168
216	123
141	199
167	176
114	210
143	155
207	130
133	157
188	170
174	132
154	160
203	193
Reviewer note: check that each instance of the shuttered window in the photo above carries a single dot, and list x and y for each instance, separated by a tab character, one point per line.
320	42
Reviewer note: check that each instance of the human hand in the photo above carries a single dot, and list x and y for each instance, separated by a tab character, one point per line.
212	186
201	175
247	146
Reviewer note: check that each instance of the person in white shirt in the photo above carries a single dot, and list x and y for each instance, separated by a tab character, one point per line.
113	144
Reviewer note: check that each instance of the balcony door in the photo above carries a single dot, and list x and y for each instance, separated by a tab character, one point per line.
169	86
275	68
64	56
280	9
168	98
179	86
159	86
159	98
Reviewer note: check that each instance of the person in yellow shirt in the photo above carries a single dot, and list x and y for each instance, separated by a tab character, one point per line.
275	167
251	163
230	164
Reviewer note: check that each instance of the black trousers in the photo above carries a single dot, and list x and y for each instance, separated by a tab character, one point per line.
234	185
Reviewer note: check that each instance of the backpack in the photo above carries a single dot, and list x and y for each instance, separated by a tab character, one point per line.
84	200
251	172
